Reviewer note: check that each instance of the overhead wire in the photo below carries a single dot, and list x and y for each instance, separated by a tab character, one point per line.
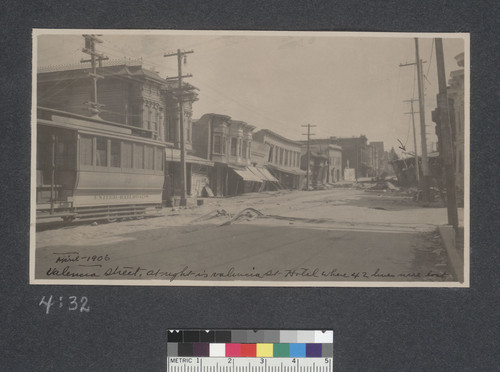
53	93
412	97
115	51
253	109
430	60
244	106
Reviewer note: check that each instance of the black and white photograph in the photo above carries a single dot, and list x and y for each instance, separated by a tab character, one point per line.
250	158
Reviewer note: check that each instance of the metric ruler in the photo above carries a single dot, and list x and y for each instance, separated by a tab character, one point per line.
249	351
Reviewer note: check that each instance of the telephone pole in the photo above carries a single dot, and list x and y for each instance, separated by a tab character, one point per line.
426	177
308	134
425	182
95	57
445	138
417	167
180	98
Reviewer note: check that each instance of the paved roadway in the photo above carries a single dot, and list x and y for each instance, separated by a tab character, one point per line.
347	235
258	252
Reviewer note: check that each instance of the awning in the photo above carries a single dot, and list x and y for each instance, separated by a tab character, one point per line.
319	155
246	174
175	155
295	172
265	174
256	173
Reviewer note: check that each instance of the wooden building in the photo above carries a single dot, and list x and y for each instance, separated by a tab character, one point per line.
326	160
228	144
283	159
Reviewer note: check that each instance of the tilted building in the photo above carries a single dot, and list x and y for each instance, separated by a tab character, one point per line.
325	161
228	144
283	159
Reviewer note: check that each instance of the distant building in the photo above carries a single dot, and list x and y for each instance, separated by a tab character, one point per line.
283	158
355	154
376	158
326	160
318	167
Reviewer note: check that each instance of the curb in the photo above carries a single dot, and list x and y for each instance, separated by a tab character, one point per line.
456	261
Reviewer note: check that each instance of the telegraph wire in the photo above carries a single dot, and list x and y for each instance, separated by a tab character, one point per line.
52	94
430	61
245	106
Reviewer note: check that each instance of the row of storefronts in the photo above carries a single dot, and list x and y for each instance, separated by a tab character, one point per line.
224	157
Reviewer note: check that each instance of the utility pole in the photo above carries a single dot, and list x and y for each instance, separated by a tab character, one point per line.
445	138
180	98
425	182
426	177
417	167
95	57
308	155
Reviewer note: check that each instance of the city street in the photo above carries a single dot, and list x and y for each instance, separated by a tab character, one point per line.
340	234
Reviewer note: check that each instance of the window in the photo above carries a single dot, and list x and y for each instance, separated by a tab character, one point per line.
270	158
101	152
234	146
85	150
158	158
127	155
115	153
170	135
156	121
281	157
286	157
138	156
244	149
148	157
217	145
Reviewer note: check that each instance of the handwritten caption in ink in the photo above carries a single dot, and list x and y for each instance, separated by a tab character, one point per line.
75	265
68	303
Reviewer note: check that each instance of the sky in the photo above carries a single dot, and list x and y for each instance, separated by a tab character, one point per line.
344	84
